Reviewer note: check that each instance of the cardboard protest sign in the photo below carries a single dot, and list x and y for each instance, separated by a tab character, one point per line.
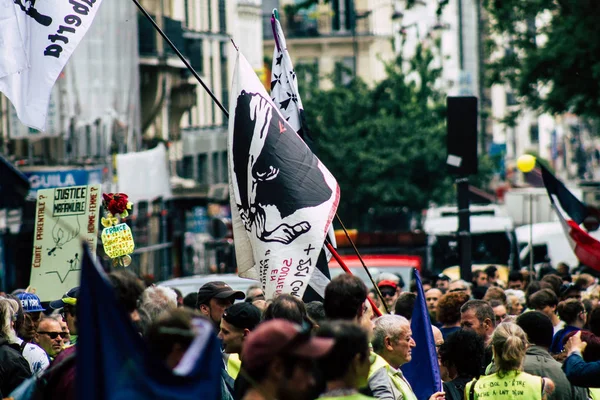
64	217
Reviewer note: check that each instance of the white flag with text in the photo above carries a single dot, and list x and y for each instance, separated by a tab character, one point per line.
36	40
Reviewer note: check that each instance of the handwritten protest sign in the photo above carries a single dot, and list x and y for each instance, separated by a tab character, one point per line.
64	217
117	241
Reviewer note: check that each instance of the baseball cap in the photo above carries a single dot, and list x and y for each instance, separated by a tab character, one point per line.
219	290
278	337
69	298
242	316
30	302
443	277
386	282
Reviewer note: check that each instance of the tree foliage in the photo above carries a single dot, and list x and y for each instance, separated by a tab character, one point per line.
551	54
385	145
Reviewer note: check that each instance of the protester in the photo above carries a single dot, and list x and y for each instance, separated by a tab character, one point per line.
448	312
406	304
214	298
462	355
32	307
480	284
392	343
346	367
237	322
157	300
495	293
492	274
442	282
514	302
68	304
573	313
288	307
14	369
390	292
509	344
191	300
516	280
278	359
34	355
478	316
128	291
578	371
538	361
432	297
345	298
546	301
253	293
499	310
49	337
316	313
460	285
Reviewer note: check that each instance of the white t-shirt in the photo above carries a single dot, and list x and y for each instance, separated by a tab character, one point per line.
36	356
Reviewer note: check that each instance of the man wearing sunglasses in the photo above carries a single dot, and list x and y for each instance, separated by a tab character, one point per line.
68	306
49	337
390	292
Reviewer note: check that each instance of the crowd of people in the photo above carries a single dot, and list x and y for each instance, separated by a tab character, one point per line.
526	338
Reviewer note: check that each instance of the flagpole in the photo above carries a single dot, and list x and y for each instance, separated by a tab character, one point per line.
186	62
363	263
345	268
214	98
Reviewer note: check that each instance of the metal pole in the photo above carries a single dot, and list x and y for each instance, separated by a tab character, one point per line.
464	228
530	236
183	59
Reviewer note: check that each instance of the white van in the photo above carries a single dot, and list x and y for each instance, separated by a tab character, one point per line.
493	240
550	244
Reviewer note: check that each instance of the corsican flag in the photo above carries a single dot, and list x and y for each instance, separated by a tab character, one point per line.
285	95
282	197
36	40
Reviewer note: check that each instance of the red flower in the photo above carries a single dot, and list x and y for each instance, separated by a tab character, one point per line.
115	203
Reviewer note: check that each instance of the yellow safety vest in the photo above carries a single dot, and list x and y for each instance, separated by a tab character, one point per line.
233	365
396	377
594	393
515	385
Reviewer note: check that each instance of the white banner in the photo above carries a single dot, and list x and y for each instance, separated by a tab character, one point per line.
63	218
36	40
282	197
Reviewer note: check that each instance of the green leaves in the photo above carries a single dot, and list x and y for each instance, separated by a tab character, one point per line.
554	44
386	145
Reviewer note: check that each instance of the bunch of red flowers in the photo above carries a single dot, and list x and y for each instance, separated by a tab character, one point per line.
116	203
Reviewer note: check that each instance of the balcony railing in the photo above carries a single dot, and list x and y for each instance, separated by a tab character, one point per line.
317	25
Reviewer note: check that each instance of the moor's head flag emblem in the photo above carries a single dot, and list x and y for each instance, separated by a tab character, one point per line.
283	197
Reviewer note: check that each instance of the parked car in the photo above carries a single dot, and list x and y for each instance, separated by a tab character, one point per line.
191	284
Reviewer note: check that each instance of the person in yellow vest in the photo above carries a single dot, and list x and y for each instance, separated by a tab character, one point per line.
236	323
392	346
509	344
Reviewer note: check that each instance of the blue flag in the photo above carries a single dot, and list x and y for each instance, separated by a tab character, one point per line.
113	361
423	371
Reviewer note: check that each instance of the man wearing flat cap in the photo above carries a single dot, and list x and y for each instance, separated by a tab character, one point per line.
214	298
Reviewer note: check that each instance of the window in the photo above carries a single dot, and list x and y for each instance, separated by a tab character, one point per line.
209	4
187	165
534	133
222	16
202	169
224	75
216	168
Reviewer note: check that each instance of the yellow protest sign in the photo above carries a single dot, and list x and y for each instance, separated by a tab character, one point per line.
63	218
117	241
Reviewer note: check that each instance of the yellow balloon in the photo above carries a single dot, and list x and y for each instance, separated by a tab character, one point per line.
526	162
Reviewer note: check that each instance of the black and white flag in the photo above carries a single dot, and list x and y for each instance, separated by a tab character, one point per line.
282	197
285	94
37	37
